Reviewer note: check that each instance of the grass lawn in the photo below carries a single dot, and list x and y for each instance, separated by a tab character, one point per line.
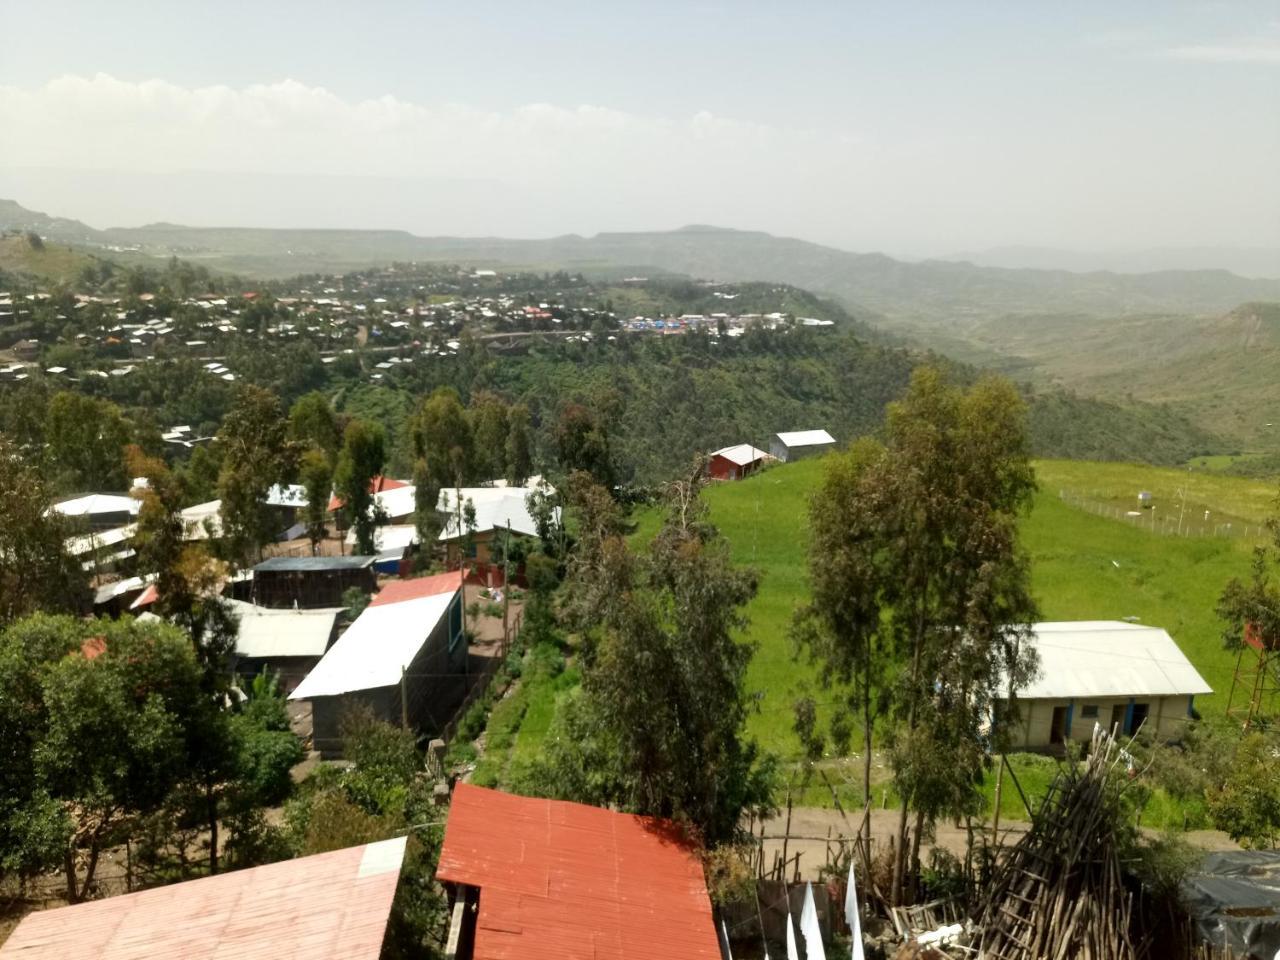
1083	567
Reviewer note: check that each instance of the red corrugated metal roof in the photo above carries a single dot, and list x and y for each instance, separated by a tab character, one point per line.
564	881
333	906
377	485
398	591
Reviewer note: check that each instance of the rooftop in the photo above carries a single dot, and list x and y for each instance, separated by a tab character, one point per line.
377	649
305	564
806	438
1109	658
398	591
272	632
333	906
562	881
741	454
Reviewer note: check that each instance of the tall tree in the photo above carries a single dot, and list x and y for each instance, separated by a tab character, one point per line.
519	448
922	590
316	476
110	711
582	443
256	455
36	572
313	423
659	728
85	439
362	458
442	438
488	418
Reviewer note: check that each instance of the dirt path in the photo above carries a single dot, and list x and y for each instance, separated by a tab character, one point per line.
811	827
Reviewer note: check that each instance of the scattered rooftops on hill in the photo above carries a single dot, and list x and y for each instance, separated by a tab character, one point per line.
331	906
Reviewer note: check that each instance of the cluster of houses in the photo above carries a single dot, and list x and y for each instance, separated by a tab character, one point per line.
405	656
403	316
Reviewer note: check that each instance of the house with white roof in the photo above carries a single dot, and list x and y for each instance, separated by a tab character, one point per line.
734	463
1121	675
798	444
498	507
404	658
284	641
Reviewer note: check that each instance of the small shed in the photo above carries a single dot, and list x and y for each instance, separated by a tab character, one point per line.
797	444
286	642
310	582
1109	672
734	463
404	658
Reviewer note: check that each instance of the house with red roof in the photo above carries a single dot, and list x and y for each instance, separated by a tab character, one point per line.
534	879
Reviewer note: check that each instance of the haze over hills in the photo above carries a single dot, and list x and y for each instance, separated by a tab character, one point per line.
871	282
1258	262
1205	342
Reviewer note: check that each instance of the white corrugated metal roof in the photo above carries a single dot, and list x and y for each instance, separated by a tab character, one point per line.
396	536
806	438
741	454
95	503
267	632
90	542
495	507
376	648
1109	658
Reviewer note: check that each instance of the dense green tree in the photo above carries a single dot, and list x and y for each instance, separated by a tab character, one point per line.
922	590
363	456
313	423
85	439
582	443
256	455
519	445
36	572
316	476
105	721
487	416
442	438
659	727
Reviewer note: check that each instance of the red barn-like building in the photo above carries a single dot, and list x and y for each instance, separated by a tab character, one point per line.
734	463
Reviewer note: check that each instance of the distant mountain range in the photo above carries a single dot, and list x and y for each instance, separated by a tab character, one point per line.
875	285
1244	261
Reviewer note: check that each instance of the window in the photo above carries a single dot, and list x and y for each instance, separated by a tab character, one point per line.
1089	711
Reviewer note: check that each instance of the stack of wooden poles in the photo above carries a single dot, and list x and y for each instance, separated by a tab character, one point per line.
1059	895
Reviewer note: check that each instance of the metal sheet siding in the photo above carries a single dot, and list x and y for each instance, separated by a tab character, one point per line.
564	880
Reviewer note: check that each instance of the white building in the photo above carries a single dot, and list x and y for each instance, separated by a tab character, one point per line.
797	444
1121	675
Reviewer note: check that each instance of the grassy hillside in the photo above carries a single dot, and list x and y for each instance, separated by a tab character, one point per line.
51	263
1084	567
1217	370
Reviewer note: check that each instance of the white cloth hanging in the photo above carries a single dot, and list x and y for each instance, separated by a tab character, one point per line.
793	953
851	915
809	928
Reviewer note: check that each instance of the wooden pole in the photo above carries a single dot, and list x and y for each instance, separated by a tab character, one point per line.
506	590
995	819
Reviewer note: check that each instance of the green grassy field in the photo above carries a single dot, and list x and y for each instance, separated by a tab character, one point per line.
1084	566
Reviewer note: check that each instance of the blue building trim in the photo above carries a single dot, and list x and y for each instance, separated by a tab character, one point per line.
1191	705
1128	718
1071	713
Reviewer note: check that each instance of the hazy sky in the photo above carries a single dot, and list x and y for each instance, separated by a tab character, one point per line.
911	128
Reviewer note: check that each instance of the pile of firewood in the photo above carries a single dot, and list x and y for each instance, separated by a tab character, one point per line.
1058	894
